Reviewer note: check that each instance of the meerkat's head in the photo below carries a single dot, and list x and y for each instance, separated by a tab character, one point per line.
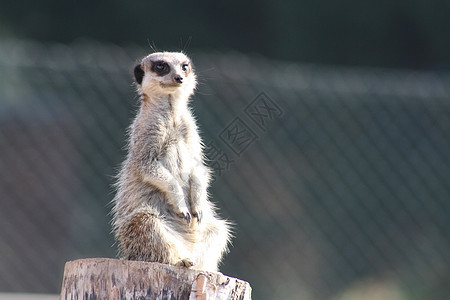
164	73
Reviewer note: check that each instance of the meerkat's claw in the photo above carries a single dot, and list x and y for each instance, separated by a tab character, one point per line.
186	215
185	262
198	216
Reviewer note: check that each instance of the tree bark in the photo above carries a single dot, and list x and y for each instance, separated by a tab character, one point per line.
105	278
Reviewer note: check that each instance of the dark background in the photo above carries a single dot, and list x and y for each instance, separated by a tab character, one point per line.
401	34
342	196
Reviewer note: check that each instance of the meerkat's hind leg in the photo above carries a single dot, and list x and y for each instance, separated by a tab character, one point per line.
146	236
214	245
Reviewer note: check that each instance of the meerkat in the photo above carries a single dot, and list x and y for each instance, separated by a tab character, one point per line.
161	210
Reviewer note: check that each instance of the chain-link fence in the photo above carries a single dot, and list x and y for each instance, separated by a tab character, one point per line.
338	179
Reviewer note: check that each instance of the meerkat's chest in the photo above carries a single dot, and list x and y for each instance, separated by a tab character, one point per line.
182	152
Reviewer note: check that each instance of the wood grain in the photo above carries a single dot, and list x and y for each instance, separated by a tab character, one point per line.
105	278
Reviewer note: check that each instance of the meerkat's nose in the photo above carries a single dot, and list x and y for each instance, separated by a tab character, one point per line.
178	79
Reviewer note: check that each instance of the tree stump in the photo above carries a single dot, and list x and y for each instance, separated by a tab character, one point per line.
105	278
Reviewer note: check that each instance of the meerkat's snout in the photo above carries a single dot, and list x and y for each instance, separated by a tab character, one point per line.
178	79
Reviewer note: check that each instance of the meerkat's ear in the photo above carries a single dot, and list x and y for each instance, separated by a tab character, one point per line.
138	74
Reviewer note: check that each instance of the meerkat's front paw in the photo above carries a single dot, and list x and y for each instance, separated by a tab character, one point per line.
197	214
185	214
181	209
185	262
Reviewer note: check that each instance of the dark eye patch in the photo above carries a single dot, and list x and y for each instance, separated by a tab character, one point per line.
160	67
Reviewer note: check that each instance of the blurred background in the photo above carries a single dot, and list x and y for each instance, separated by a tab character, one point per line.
339	186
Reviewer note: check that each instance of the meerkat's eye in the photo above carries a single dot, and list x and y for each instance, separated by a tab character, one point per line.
185	68
161	68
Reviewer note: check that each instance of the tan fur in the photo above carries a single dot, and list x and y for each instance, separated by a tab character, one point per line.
161	210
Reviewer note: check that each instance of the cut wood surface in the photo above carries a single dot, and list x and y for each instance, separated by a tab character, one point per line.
105	278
